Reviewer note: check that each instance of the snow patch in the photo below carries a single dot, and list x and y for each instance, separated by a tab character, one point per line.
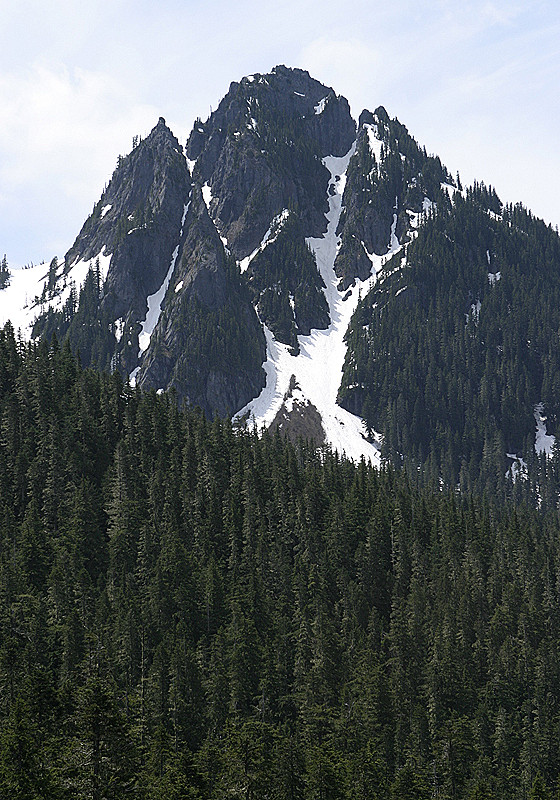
320	107
80	268
207	195
452	189
372	257
518	469
20	301
493	277
119	328
270	236
474	313
394	242
413	218
375	142
179	287
105	209
544	442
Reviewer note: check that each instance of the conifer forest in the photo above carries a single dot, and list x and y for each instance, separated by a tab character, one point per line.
190	610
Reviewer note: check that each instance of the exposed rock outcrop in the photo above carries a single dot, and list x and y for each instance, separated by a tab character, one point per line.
209	344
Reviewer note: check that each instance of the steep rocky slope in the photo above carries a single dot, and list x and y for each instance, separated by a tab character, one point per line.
151	226
258	158
296	269
208	343
390	182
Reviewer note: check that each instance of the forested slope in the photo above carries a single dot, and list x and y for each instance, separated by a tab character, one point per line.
190	611
456	346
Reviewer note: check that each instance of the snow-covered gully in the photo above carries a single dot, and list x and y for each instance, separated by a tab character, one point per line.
154	301
318	366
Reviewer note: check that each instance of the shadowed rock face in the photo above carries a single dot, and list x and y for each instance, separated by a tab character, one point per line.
209	344
260	155
260	152
138	218
298	420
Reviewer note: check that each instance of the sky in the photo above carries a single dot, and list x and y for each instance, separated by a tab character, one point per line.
475	81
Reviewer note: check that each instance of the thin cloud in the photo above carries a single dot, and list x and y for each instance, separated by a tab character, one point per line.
62	131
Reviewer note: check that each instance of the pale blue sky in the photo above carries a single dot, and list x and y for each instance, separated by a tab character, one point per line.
474	81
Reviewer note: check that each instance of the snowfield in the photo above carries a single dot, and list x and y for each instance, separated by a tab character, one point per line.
19	301
318	367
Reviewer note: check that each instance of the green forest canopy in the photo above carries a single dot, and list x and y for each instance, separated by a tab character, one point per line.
188	610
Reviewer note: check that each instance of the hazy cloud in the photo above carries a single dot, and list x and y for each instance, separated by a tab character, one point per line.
61	133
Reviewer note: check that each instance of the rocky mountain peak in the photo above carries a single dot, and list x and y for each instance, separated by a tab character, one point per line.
139	190
260	152
289	243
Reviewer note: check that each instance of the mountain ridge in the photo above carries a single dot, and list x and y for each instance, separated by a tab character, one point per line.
230	267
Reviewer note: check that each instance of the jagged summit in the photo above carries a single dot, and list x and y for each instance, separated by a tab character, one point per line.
205	252
151	180
286	244
285	95
165	260
261	151
391	181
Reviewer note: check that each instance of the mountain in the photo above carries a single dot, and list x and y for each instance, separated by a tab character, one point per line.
328	278
192	610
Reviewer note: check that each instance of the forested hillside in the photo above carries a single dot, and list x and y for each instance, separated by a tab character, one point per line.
455	350
191	611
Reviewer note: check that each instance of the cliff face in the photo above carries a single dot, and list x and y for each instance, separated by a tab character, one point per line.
171	308
133	230
259	161
390	182
260	152
208	344
137	219
197	256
